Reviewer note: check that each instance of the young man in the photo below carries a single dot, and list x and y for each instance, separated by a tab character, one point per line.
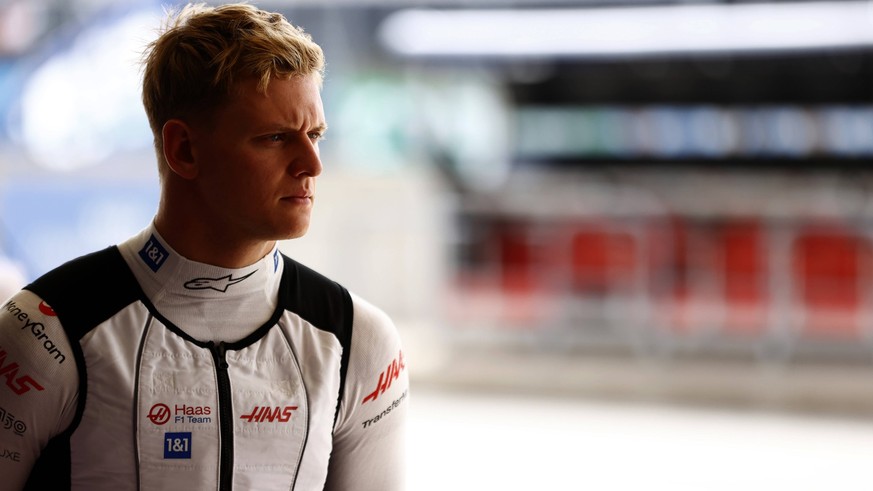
195	355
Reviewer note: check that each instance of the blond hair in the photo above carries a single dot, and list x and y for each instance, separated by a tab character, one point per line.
202	51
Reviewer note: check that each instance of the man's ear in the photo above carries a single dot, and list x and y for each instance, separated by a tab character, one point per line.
177	148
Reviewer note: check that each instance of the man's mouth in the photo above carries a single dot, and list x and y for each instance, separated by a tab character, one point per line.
299	197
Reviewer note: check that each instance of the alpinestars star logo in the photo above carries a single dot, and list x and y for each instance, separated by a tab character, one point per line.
217	284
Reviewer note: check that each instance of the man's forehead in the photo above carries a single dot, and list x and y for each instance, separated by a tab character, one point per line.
297	94
252	85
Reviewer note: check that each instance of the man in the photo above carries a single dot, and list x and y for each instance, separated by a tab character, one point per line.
195	355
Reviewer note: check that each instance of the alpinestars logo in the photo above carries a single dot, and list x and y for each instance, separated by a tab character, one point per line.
217	284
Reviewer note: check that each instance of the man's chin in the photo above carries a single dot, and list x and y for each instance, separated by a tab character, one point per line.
295	233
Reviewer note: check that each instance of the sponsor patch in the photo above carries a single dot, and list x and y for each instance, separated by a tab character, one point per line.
36	328
19	384
394	405
217	284
161	413
154	254
10	422
7	454
386	378
266	414
177	445
46	310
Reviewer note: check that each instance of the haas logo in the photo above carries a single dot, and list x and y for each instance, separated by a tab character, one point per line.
159	414
261	414
389	375
21	384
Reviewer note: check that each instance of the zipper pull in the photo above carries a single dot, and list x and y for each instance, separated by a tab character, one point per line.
218	352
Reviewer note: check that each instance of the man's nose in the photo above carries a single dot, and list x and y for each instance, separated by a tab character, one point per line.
307	160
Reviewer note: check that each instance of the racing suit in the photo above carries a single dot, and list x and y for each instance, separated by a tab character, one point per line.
135	368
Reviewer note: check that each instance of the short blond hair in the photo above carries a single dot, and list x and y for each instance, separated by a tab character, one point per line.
202	51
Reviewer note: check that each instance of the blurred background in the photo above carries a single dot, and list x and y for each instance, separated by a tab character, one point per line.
627	243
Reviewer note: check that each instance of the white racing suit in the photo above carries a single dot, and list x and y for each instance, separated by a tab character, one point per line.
135	369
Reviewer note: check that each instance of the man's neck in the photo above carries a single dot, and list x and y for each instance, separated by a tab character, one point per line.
205	246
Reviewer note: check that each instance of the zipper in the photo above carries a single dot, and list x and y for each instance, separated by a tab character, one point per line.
225	417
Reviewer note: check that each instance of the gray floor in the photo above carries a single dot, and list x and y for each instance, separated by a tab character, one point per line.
473	440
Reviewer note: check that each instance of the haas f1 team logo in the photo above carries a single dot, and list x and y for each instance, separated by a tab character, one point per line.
161	413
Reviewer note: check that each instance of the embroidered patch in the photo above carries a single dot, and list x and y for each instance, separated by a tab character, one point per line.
153	254
177	445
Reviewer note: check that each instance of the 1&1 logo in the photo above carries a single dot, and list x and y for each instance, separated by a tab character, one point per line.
159	414
177	445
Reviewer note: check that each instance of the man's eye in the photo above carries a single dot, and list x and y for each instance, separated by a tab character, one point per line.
279	137
315	136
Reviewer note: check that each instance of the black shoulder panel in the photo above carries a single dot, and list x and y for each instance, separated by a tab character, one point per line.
83	293
52	470
322	302
88	290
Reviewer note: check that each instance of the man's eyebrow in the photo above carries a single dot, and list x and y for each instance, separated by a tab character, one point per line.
284	128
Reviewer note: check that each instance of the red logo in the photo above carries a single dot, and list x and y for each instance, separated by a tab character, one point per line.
45	309
159	414
388	376
261	414
21	384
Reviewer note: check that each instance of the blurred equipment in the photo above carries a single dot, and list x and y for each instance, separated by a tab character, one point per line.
612	32
687	206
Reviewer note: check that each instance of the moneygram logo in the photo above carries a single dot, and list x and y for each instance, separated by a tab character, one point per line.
46	310
159	414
